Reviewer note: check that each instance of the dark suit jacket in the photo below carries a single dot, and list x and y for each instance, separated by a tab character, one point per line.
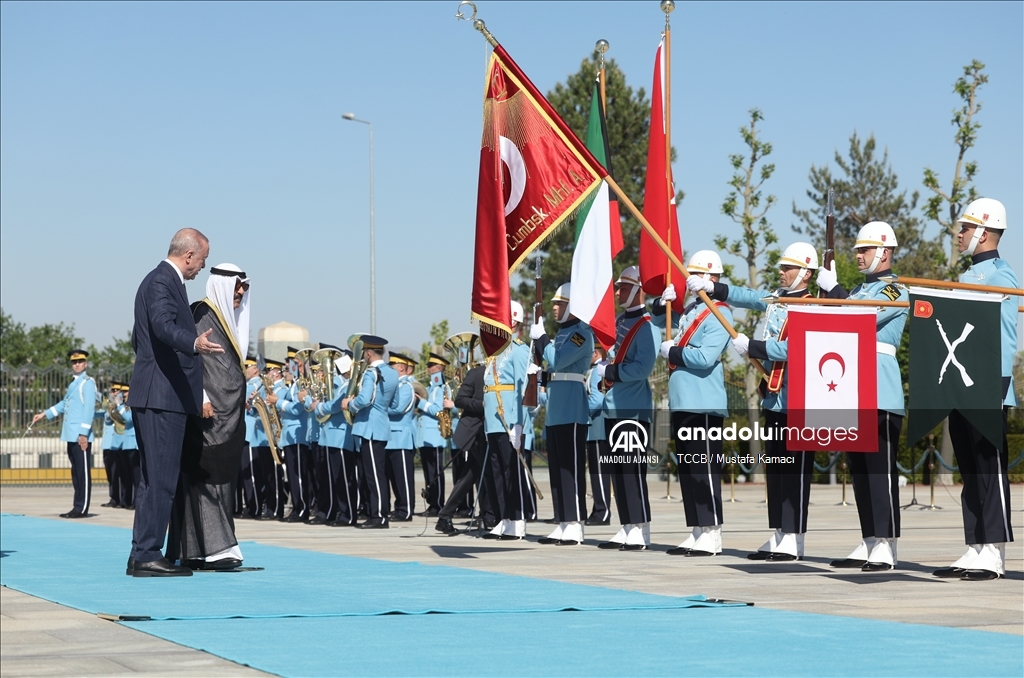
470	399
168	375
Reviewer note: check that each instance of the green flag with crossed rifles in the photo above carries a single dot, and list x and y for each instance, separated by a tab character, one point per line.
955	361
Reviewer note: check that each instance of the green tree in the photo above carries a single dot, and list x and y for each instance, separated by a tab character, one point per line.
962	189
866	190
628	119
756	245
438	333
42	345
117	354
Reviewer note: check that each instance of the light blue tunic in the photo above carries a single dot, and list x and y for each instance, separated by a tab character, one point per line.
774	318
429	434
292	413
505	368
991	270
128	440
630	394
595	401
697	382
569	353
402	416
335	432
78	408
370	406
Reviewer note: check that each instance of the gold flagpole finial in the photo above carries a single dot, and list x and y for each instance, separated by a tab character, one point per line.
478	24
667	6
602	47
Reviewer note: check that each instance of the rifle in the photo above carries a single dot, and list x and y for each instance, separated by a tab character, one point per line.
828	256
530	397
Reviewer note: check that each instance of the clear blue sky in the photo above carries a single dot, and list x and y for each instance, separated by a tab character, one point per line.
120	123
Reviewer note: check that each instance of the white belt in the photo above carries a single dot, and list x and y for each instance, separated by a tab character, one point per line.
567	376
887	349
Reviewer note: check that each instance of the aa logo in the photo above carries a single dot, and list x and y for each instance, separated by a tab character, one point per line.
628	437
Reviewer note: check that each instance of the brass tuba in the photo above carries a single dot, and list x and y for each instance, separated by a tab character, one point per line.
326	359
358	367
305	377
267	414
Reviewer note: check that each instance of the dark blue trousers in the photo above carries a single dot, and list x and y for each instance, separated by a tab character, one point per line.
81	474
160	434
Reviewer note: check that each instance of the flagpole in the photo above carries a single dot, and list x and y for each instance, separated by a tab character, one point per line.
602	47
950	285
811	301
667	6
674	260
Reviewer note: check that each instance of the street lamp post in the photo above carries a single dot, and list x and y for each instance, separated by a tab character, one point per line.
373	273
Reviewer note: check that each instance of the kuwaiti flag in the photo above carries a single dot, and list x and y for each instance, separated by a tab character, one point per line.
598	240
833	376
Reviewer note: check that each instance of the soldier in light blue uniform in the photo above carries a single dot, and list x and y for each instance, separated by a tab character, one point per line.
294	425
432	445
597	444
628	399
336	438
399	467
250	475
568	416
129	452
78	408
698	403
875	474
372	427
504	423
112	448
789	484
986	489
321	491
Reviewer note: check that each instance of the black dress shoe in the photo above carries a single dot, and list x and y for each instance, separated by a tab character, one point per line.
597	521
780	557
341	523
979	575
221	565
445	526
693	553
633	547
430	512
509	537
949	572
610	545
876	567
679	551
567	542
160	568
295	518
492	536
110	504
318	520
130	567
759	555
464	513
548	540
374	524
848	562
73	513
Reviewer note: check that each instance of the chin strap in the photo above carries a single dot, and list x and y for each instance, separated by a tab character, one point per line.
975	239
565	314
632	296
797	282
873	266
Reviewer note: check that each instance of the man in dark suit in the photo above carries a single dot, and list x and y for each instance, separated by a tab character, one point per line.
167	384
468	440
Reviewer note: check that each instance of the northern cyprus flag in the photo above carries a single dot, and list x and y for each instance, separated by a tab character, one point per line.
598	240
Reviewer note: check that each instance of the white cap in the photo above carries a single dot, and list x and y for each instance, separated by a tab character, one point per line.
705	261
876	234
629	276
985	212
800	254
562	293
517	312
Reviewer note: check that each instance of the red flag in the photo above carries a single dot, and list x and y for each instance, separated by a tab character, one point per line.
833	372
534	173
659	206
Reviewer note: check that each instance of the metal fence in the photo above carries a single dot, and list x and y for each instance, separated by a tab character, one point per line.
38	456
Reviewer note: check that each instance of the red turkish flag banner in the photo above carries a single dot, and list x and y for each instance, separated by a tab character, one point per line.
659	206
833	374
534	174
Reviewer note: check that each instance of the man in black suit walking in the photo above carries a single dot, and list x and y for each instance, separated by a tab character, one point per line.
468	439
166	387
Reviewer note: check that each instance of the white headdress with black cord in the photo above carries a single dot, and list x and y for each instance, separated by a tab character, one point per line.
220	289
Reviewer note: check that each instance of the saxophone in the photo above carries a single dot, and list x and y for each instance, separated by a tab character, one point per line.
444	417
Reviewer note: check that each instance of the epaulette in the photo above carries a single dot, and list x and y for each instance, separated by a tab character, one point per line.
517	340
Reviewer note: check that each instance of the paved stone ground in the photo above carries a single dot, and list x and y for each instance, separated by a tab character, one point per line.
41	638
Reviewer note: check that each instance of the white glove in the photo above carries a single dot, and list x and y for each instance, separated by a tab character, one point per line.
666	346
601	367
827	277
669	295
741	343
696	283
537	331
515	435
533	368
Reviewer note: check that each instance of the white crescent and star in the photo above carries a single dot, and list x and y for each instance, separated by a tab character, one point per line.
513	159
837	358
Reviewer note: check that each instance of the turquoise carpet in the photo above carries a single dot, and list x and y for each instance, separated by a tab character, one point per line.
316	614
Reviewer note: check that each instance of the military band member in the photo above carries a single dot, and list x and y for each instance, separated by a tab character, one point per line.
470	443
112	440
986	490
129	452
274	481
321	504
372	427
78	408
504	385
567	418
336	438
294	426
697	401
432	444
401	448
597	444
628	398
789	484
250	475
875	474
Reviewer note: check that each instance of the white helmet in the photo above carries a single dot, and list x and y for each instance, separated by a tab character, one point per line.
562	294
705	261
877	234
517	312
800	254
983	213
630	276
